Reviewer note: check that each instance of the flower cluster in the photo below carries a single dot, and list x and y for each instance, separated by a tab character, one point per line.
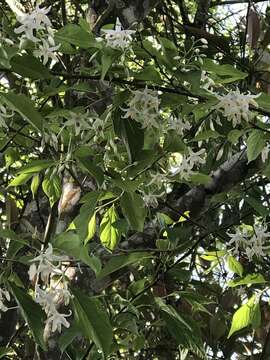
4	295
178	125
37	27
57	292
254	244
118	38
185	167
235	106
143	107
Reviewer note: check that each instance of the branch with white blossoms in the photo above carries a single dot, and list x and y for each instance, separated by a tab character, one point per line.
143	107
251	245
118	38
55	292
37	27
235	106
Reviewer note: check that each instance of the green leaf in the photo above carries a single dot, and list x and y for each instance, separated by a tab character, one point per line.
131	133
255	144
149	73
213	255
120	261
4	58
94	170
35	166
91	228
68	336
109	235
227	72
235	266
34	185
134	210
184	330
174	143
32	313
93	321
257	206
20	179
106	63
29	67
248	280
71	244
246	315
51	186
86	212
75	35
25	107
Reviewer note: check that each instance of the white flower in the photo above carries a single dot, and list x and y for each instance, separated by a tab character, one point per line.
143	107
80	122
184	168
35	21
152	199
46	300
46	50
251	245
265	152
118	38
235	106
207	82
45	265
4	295
56	320
178	125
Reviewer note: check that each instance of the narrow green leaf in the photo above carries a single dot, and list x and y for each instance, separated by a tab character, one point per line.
35	166
32	313
257	206
134	210
68	336
91	228
20	179
93	321
120	261
235	266
25	107
109	235
106	63
34	185
248	280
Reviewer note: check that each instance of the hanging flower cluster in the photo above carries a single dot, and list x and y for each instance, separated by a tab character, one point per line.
37	27
118	38
185	167
252	245
143	107
4	295
235	106
56	292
